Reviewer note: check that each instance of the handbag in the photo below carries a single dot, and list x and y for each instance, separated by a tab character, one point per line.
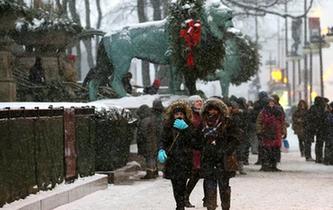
230	162
285	146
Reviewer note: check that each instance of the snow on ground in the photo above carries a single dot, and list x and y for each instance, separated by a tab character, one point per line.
301	186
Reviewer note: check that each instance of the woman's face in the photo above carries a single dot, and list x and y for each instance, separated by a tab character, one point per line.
198	104
271	103
179	115
213	111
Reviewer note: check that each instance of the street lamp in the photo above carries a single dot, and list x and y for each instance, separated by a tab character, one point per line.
329	34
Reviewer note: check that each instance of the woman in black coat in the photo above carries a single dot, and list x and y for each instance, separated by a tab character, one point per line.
219	163
175	149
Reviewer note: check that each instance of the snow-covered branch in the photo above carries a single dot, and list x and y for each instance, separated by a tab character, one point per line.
260	9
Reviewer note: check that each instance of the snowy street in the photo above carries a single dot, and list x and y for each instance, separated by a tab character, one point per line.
301	185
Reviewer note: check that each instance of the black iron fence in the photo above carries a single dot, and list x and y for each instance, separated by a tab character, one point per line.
43	147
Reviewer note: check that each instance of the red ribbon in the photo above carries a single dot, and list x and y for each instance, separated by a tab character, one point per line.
192	36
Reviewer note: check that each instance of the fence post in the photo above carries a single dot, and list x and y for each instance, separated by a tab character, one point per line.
69	145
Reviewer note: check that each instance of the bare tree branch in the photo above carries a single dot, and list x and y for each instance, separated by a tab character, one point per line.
264	10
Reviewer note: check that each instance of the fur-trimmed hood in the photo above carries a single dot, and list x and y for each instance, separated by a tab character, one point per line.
216	103
178	104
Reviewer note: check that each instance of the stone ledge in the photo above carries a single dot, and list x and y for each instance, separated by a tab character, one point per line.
60	195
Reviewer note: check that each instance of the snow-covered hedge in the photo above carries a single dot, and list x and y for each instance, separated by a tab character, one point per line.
11	6
43	21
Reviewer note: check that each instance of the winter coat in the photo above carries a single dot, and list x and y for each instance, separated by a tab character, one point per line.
298	119
36	74
218	150
177	144
197	123
270	127
69	72
329	127
144	123
151	90
315	118
151	131
328	159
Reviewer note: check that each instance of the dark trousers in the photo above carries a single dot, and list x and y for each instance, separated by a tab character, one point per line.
224	189
301	143
270	157
319	148
260	153
307	146
192	182
328	155
179	191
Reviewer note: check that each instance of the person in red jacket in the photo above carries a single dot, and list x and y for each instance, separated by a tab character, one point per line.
270	129
196	103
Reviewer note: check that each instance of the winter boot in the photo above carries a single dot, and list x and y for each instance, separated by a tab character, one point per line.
211	200
241	168
309	159
149	175
274	168
225	198
156	173
187	202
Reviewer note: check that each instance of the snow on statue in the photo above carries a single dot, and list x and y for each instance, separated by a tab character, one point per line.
151	42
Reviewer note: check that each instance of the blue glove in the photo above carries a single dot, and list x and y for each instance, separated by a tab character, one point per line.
161	156
180	124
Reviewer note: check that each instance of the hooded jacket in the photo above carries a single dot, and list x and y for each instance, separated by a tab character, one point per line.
177	143
220	140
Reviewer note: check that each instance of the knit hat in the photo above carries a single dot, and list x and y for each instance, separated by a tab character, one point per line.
71	57
157	105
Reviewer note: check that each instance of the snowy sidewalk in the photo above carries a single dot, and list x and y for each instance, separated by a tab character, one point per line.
301	185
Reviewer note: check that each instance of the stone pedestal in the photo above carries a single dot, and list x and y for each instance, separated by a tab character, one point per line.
7	83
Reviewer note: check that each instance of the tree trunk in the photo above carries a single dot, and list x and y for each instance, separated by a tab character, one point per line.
157	15
141	4
38	3
76	19
165	5
99	21
87	42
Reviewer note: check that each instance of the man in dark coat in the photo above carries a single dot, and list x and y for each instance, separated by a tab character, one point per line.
143	112
237	116
153	89
36	74
257	107
176	149
150	130
126	81
220	140
328	158
315	126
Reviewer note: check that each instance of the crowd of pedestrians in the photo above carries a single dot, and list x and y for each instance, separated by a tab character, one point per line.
212	139
315	124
